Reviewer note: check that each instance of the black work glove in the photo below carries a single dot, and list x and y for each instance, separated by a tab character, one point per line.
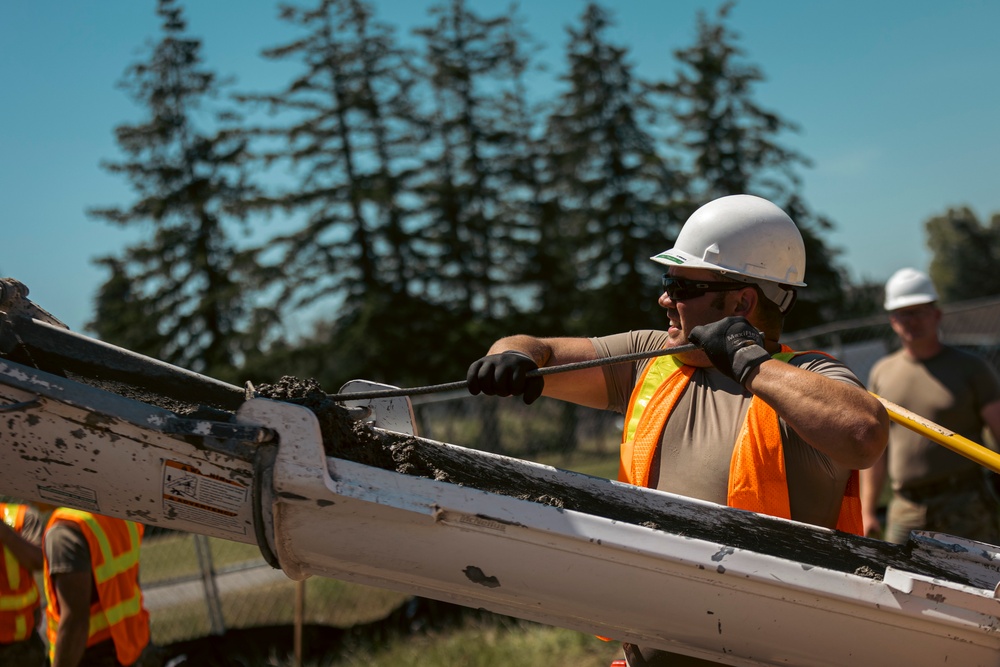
733	345
505	374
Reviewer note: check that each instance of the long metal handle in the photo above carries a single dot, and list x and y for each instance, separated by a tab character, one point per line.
957	443
547	370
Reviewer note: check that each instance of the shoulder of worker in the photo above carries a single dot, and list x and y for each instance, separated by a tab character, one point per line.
65	548
33	526
958	355
889	358
824	364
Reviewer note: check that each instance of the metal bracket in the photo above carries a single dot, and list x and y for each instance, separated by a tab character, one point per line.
390	414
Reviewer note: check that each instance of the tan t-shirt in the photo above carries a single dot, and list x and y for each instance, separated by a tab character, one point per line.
949	389
697	443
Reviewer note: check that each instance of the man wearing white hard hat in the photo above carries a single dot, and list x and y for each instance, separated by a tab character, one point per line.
742	420
933	488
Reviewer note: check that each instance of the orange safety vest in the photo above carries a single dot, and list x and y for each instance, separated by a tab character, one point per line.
118	612
18	591
757	478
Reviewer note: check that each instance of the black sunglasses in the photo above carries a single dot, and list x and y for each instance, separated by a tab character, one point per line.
679	289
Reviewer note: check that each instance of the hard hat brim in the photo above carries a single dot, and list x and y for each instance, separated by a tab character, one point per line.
675	257
908	301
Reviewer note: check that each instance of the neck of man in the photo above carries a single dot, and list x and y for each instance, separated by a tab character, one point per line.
923	348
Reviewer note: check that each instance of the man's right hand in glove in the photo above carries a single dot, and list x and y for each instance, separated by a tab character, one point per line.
505	374
733	345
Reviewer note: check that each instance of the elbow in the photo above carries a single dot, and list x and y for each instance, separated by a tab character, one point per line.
872	437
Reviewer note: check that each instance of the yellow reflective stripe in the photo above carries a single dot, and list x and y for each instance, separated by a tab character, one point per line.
22	601
124	609
102	619
115	565
111	565
11	600
11	565
20	628
13	568
659	370
98	622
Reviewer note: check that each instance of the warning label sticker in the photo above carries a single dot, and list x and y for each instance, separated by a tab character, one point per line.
79	497
192	495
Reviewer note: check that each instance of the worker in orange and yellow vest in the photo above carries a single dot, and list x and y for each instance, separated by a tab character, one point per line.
739	420
94	610
20	602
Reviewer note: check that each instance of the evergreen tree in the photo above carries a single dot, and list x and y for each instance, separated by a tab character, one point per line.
730	139
733	146
353	143
182	295
965	254
350	142
470	62
539	272
614	193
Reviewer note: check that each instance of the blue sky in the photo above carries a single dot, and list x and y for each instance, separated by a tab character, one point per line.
897	102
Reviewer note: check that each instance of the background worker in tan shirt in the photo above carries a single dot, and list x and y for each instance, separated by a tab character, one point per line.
933	488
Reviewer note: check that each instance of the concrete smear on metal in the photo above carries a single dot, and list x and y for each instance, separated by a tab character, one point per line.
359	442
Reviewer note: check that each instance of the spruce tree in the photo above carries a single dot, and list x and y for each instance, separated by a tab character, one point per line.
616	193
344	133
348	135
469	61
182	294
732	144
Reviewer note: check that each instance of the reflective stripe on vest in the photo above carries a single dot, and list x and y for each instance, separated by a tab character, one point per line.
118	613
757	478
19	597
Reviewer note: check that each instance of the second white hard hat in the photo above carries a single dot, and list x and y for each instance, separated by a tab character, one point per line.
909	287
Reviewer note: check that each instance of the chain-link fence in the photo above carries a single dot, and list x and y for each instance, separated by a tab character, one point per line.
195	586
971	325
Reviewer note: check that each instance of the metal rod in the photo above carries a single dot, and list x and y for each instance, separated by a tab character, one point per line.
547	370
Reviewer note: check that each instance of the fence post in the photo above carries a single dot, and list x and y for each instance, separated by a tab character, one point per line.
204	553
300	609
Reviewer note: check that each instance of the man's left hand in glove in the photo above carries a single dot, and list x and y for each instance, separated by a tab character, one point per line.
733	345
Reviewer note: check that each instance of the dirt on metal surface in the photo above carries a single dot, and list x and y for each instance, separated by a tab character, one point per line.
346	438
357	441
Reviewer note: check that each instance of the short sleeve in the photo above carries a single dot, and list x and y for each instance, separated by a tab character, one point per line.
66	549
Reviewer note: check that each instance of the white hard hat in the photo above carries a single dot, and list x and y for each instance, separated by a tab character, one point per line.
747	238
909	287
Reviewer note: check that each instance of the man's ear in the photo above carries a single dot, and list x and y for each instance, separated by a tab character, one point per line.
746	302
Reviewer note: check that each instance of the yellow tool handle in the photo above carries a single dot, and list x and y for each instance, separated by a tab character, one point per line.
939	434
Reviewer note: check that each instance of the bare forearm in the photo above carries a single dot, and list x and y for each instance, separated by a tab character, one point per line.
71	641
536	348
841	420
583	387
73	594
